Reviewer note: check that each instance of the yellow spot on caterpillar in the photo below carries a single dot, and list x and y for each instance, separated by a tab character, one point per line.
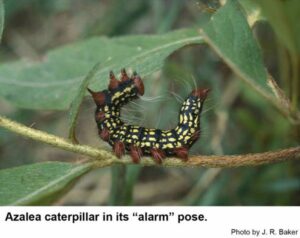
116	96
179	130
185	119
196	121
168	146
180	118
128	89
147	144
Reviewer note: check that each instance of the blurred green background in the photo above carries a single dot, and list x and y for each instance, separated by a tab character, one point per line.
235	121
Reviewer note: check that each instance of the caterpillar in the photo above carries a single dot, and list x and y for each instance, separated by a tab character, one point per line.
141	141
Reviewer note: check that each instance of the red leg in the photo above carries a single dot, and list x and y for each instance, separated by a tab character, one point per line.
182	153
119	149
100	116
136	153
104	134
158	155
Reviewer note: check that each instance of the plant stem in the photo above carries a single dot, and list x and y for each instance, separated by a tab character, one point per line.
105	158
54	140
225	161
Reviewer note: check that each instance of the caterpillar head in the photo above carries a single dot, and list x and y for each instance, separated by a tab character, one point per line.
201	93
195	101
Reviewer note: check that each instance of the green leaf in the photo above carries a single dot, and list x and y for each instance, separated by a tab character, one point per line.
40	183
229	34
284	18
133	172
1	18
118	185
54	82
75	106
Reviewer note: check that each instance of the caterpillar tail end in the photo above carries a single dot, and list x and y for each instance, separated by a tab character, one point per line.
99	97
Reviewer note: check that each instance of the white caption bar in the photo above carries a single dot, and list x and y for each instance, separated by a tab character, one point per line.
144	222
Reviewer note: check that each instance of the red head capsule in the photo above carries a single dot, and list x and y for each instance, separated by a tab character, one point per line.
201	93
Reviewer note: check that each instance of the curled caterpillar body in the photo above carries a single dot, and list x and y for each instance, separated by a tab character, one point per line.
138	140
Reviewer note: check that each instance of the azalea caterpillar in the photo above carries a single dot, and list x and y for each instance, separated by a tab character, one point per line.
138	140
